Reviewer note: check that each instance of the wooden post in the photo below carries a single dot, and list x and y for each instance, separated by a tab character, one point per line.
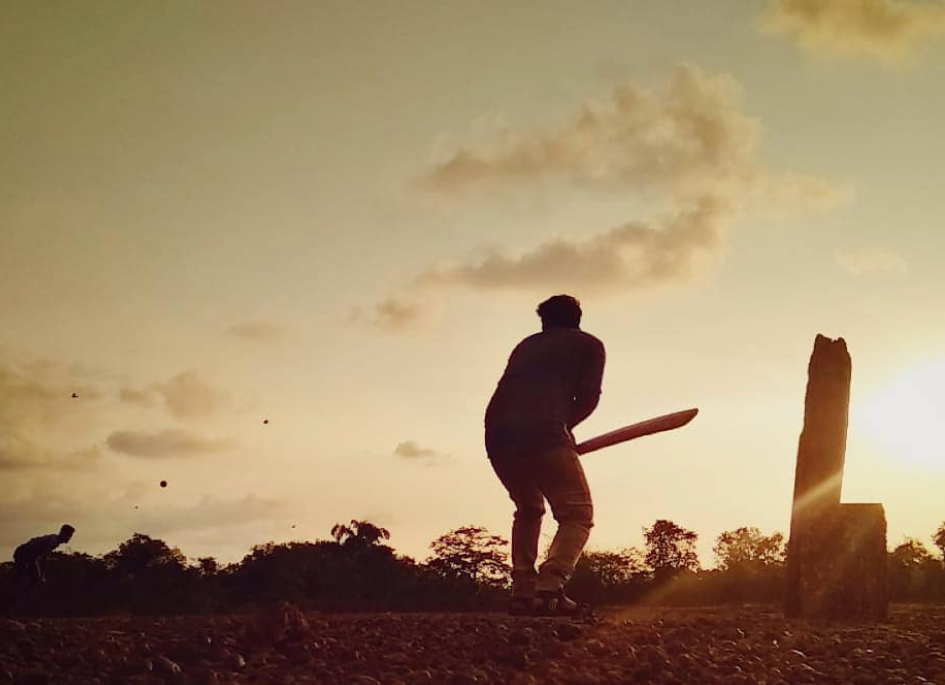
836	556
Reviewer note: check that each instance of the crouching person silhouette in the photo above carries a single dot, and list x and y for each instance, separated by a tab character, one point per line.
551	383
30	557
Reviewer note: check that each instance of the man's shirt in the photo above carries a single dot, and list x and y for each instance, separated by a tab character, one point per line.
37	547
532	408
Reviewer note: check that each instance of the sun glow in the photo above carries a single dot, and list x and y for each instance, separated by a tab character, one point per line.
905	419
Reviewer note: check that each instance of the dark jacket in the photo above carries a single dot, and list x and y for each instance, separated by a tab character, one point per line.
36	548
552	382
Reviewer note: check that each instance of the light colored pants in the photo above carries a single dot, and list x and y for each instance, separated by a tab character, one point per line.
558	477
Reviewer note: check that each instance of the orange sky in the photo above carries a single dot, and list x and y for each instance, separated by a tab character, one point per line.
339	218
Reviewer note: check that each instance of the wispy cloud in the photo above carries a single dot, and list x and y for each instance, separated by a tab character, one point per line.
634	254
889	31
689	139
256	331
871	260
411	450
186	396
104	515
164	444
18	454
210	512
392	314
688	147
144	398
396	314
44	414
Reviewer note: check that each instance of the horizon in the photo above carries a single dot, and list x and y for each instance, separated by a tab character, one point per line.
280	258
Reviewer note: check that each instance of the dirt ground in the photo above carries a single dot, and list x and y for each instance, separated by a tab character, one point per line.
283	646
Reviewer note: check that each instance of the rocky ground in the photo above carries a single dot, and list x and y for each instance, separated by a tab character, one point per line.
698	646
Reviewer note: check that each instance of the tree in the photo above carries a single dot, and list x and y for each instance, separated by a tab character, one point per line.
939	539
148	573
359	533
670	549
910	554
472	553
747	548
614	568
601	577
912	571
207	566
141	552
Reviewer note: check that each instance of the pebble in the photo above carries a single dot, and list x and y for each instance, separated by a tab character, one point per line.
521	637
702	647
568	631
365	680
164	665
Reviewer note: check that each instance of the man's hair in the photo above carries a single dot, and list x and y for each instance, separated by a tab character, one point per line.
66	529
562	311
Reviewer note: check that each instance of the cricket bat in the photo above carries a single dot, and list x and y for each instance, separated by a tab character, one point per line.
637	430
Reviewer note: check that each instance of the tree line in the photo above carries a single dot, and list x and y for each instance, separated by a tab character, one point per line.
467	569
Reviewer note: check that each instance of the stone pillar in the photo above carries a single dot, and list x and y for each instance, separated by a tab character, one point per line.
843	564
818	475
836	556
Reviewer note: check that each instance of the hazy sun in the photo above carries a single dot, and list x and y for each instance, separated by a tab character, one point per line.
906	419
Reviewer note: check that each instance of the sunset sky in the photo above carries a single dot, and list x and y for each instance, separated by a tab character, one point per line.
338	217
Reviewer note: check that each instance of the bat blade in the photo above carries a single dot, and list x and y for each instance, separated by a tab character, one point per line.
638	430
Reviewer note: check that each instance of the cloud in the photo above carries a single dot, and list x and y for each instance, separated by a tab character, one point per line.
688	151
411	450
889	31
392	314
104	516
630	255
256	331
18	453
396	314
209	513
871	260
144	398
690	139
40	421
163	444
188	397
42	512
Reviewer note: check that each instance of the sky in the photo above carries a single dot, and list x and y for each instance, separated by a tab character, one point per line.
277	254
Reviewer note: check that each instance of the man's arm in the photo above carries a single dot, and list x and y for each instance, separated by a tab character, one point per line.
588	391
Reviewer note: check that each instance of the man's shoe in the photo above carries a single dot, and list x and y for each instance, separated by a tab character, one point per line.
522	606
558	604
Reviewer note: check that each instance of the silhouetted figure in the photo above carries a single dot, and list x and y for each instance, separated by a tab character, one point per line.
551	383
29	558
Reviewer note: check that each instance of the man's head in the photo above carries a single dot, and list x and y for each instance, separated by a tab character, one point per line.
560	311
65	533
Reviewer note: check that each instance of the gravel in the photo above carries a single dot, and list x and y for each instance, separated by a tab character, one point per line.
284	646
